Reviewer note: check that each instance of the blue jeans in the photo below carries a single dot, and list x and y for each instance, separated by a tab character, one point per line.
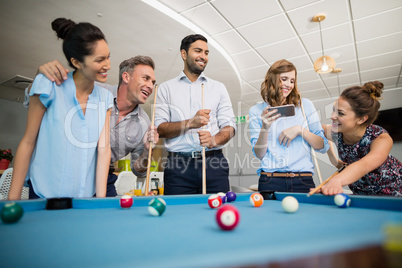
296	184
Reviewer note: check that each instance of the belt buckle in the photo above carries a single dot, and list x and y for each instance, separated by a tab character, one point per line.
195	154
292	175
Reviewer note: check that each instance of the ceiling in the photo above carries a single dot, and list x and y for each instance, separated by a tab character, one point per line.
365	39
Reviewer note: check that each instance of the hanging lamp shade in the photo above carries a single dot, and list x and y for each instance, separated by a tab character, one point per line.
324	64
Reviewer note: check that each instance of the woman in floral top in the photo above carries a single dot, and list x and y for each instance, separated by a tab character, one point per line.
362	146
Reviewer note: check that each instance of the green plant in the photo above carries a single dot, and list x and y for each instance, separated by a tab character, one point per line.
6	154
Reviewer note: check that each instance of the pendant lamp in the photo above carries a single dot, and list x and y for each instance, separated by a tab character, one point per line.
324	64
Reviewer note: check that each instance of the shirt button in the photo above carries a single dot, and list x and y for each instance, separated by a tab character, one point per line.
128	138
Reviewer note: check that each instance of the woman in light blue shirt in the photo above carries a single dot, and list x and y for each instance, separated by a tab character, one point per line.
65	150
283	144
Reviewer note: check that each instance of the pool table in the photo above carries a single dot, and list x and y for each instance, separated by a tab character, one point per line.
98	233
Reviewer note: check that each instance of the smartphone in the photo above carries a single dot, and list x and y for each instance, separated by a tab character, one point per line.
284	110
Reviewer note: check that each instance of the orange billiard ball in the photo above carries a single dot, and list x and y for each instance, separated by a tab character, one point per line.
256	199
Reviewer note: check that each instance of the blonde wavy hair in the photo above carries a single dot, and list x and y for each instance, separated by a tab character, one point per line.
271	91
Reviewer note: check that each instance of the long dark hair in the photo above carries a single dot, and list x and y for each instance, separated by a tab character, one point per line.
79	39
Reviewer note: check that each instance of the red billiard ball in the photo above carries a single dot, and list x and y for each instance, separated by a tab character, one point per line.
230	196
227	217
214	201
126	201
256	199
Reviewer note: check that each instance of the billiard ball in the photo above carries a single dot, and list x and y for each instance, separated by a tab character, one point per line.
214	201
342	200
230	196
11	212
157	206
290	204
227	217
223	197
256	199
126	201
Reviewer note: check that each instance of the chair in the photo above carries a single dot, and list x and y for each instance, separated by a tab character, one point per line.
125	182
238	189
5	184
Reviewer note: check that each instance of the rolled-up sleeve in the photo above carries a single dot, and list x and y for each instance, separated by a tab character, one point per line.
225	115
255	125
315	124
162	113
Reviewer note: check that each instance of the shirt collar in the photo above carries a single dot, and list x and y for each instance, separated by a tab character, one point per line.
133	112
184	77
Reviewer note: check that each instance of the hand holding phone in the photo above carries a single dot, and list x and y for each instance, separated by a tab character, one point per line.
284	110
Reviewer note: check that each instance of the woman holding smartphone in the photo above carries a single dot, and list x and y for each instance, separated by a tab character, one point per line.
283	143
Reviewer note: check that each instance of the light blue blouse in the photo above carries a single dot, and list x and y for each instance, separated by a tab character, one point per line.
296	157
63	163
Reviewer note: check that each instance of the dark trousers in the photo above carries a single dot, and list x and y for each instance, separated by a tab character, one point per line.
111	189
285	184
32	194
183	175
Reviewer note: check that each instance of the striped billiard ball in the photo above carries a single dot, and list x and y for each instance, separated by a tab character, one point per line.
157	206
256	199
342	200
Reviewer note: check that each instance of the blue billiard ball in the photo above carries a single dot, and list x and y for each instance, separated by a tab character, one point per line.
342	200
230	196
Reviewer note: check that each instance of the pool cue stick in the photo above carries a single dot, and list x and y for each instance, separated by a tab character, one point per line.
204	171
151	143
312	149
325	182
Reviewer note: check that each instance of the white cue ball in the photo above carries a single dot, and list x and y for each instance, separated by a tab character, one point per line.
290	204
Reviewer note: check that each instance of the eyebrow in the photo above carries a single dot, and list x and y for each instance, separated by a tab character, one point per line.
200	49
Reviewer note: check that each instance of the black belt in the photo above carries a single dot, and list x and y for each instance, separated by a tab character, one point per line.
195	154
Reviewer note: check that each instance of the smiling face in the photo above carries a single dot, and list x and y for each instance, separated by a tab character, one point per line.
196	59
344	119
96	65
287	83
140	84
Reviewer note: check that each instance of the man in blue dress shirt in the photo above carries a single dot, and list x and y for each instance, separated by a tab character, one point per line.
188	125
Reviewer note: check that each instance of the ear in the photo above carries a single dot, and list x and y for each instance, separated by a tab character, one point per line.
125	77
183	54
362	120
76	63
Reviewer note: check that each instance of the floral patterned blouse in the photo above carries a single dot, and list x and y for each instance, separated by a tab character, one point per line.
384	180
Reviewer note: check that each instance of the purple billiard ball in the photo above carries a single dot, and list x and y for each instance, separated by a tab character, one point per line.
230	196
222	196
